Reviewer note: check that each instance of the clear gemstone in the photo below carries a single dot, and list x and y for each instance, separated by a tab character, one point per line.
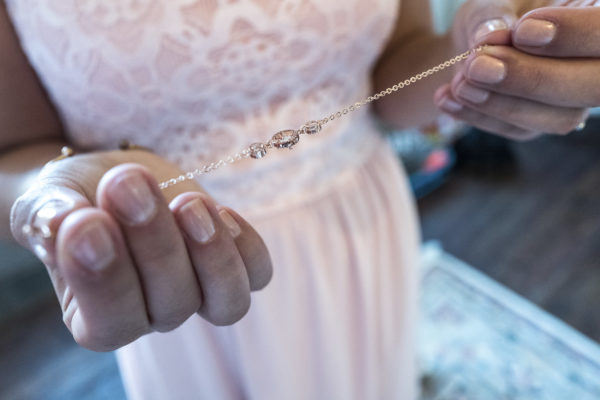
285	139
311	128
258	150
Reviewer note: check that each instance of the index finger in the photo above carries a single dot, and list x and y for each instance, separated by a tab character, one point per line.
560	32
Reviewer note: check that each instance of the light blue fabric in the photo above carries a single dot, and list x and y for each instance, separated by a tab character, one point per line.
443	12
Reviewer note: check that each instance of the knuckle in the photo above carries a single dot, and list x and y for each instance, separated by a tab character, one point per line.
261	279
96	342
225	266
563	129
162	252
261	282
533	80
174	317
231	314
231	317
168	324
569	123
104	340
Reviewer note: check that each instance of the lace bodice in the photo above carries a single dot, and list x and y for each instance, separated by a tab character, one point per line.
197	80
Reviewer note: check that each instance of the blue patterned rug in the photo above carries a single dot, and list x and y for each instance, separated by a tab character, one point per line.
480	341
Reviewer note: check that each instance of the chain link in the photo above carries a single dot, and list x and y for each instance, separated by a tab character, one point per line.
248	152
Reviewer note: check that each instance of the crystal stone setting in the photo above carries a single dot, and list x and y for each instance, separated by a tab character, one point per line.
285	139
311	128
258	150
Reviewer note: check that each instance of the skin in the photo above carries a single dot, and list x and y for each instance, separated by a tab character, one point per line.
547	88
159	275
156	274
533	98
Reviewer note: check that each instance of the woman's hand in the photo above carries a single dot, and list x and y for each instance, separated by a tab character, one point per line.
126	260
540	74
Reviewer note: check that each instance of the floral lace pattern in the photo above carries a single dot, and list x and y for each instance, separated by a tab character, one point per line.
197	80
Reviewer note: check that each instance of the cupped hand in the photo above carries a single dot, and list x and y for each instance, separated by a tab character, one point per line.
540	72
126	259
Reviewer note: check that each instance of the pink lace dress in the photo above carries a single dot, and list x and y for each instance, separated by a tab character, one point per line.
197	80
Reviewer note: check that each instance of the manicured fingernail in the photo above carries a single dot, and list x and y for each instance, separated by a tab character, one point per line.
486	69
535	33
233	226
488	27
133	199
196	221
472	93
449	105
93	247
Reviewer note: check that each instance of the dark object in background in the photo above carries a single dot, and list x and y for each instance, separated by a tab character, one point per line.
433	173
484	152
427	160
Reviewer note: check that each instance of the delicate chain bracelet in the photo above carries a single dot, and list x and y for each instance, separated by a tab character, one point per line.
287	139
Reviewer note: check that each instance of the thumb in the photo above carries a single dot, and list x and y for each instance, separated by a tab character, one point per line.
60	188
483	22
36	215
566	32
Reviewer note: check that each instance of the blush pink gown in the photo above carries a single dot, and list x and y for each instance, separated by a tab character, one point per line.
197	80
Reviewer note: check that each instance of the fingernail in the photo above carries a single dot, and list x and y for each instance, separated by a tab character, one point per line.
488	27
535	32
40	225
472	93
93	247
486	69
449	105
133	199
233	226
197	222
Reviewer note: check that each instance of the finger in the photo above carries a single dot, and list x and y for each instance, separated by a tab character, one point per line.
104	308
560	32
251	247
560	82
526	114
485	22
131	194
217	261
449	104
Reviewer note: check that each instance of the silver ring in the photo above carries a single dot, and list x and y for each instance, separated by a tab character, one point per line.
581	126
42	232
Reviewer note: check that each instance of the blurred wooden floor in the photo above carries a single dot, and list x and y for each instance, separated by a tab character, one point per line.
536	230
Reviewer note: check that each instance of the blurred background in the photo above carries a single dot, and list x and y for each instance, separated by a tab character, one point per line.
525	215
